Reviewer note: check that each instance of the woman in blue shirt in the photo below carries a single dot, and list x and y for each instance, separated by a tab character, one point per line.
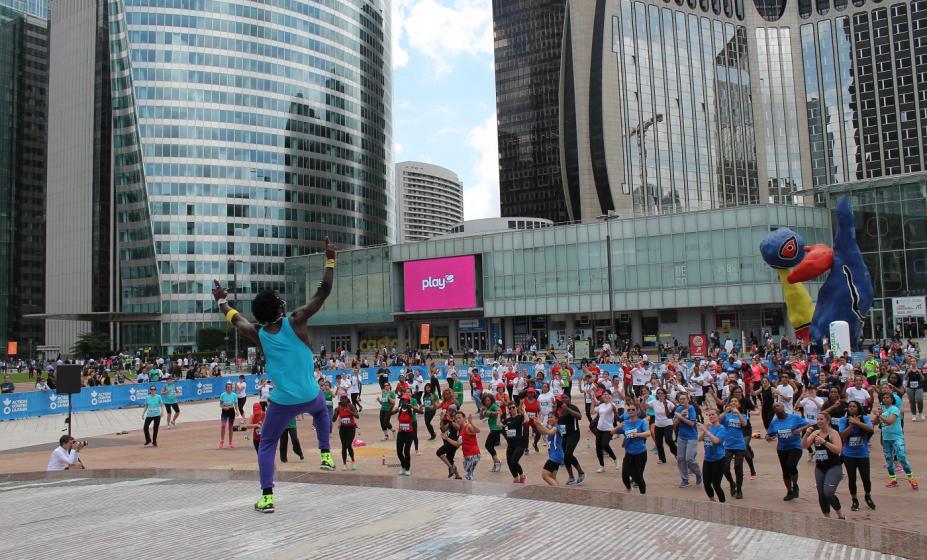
227	403
713	465
856	429
785	427
735	449
169	396
152	415
636	431
687	441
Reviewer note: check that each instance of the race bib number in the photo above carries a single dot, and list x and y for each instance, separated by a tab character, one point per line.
630	433
510	433
812	416
532	415
562	429
914	384
820	455
855	441
835	422
405	427
345	421
784	434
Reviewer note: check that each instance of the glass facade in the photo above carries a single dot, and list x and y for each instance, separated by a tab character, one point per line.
686	100
866	91
891	229
242	133
699	259
23	139
528	38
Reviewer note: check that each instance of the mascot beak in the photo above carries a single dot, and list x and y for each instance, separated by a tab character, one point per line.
819	259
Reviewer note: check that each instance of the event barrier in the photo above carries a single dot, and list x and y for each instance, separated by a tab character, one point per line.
43	403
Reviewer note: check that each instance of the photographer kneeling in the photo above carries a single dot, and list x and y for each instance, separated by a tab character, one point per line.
65	455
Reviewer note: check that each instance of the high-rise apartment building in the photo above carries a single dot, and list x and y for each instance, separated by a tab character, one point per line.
686	105
528	37
430	200
227	136
23	117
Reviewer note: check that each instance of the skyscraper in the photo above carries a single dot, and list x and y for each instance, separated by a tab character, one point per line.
430	200
239	133
23	115
528	37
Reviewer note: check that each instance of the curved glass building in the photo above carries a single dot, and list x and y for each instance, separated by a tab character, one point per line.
242	132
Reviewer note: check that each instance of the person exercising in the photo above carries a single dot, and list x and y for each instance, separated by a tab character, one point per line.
289	364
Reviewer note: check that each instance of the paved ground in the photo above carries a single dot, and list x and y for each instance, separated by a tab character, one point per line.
193	446
325	522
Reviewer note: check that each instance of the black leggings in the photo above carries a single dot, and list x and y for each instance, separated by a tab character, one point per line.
632	469
385	424
289	434
738	456
415	434
862	465
346	433
429	416
492	441
603	446
788	460
570	441
748	455
404	449
665	434
156	420
241	405
713	471
589	413
513	453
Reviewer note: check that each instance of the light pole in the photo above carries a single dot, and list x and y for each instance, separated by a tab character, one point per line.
235	299
640	131
608	217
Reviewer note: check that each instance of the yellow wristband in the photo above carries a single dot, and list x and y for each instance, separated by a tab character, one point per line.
330	263
231	315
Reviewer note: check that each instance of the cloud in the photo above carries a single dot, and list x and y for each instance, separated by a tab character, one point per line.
441	31
481	199
397	148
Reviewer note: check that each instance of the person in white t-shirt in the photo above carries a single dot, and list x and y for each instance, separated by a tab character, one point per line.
810	404
66	455
784	392
858	393
538	367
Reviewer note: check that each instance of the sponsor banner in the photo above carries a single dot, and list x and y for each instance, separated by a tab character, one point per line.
909	307
698	345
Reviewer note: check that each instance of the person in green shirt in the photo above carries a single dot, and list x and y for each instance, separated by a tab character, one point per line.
228	400
290	434
387	400
566	376
871	367
169	396
329	396
430	406
490	411
457	387
152	415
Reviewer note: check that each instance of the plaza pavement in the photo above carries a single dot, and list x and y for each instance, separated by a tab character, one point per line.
191	447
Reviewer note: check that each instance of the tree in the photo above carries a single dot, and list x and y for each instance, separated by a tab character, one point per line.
210	338
91	345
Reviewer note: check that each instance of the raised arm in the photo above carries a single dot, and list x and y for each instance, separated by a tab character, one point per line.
301	315
237	320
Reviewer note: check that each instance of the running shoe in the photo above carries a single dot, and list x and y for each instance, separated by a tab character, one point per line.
795	491
914	484
892	483
221	443
684	483
417	452
661	462
327	463
468	477
869	502
353	466
698	481
616	465
571	481
265	504
518	480
450	472
303	458
855	506
790	496
581	478
739	495
753	476
600	470
344	468
231	445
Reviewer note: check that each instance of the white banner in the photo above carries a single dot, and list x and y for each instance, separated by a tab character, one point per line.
909	307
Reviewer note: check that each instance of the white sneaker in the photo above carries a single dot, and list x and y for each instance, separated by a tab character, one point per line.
600	469
617	468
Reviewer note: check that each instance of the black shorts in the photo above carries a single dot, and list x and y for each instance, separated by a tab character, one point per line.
447	450
172	406
228	415
551	466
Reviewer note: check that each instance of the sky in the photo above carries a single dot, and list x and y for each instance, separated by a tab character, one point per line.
444	96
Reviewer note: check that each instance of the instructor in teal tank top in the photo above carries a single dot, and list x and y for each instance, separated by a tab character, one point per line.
289	364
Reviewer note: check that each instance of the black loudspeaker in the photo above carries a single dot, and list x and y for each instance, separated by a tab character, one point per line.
67	379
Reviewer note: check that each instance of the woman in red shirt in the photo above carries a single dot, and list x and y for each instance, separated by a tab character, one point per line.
469	445
406	434
532	410
347	416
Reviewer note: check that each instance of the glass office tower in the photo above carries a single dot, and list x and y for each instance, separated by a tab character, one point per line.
241	133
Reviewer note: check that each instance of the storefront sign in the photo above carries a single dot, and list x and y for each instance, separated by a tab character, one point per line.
471	325
581	348
909	307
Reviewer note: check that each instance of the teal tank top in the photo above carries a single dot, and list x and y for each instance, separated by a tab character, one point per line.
289	365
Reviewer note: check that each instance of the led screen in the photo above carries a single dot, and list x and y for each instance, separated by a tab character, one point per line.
440	284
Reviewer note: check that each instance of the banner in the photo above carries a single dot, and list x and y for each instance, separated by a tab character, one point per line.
11	348
425	336
698	345
906	307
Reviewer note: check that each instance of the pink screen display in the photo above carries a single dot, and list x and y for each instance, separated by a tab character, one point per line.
439	284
